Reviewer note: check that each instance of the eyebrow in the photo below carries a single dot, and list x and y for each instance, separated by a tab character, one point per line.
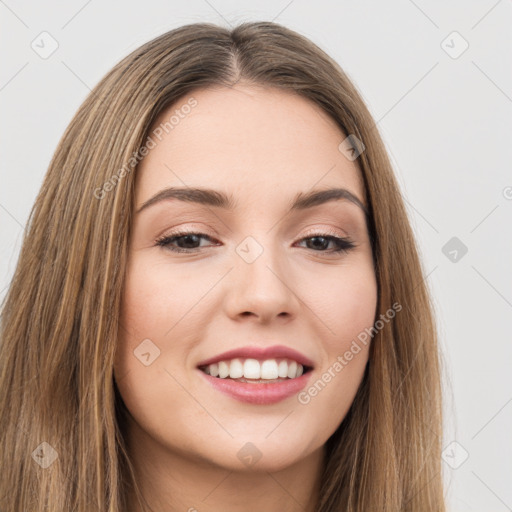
215	198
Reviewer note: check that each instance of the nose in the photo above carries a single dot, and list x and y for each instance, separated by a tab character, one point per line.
262	290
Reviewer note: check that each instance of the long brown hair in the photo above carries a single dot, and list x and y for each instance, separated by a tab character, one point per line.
61	438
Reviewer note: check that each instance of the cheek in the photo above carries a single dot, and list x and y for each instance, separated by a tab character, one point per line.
157	311
349	313
357	303
149	309
347	305
150	305
140	308
356	316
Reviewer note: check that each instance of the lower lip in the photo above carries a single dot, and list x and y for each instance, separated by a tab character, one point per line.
260	394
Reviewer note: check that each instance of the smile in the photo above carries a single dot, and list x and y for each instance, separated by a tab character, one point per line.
256	371
258	382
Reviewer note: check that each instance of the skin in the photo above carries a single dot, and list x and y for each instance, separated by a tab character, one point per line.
263	146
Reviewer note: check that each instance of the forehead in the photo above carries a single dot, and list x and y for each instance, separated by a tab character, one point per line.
259	144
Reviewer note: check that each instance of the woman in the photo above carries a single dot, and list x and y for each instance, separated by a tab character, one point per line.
219	304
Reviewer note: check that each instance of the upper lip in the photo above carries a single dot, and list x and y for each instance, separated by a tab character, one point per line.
261	353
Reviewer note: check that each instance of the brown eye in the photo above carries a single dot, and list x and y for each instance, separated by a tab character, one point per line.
187	242
320	242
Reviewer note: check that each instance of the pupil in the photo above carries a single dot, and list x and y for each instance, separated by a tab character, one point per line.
189	238
321	245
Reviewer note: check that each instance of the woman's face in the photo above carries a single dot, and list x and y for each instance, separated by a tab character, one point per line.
256	277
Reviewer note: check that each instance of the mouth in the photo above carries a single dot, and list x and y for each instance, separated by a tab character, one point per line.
258	375
254	371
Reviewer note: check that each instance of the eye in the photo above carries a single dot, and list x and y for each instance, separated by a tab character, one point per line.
317	242
186	239
320	240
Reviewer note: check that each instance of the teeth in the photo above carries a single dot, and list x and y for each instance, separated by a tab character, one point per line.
223	369
236	369
252	369
214	370
292	370
269	369
282	369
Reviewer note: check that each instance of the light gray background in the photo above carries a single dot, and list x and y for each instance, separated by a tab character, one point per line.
446	122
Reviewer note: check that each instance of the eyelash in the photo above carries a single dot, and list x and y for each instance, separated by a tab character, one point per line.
344	244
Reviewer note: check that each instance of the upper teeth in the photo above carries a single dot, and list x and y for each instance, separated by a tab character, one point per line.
254	369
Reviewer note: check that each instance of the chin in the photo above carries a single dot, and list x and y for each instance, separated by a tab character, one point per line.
257	454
